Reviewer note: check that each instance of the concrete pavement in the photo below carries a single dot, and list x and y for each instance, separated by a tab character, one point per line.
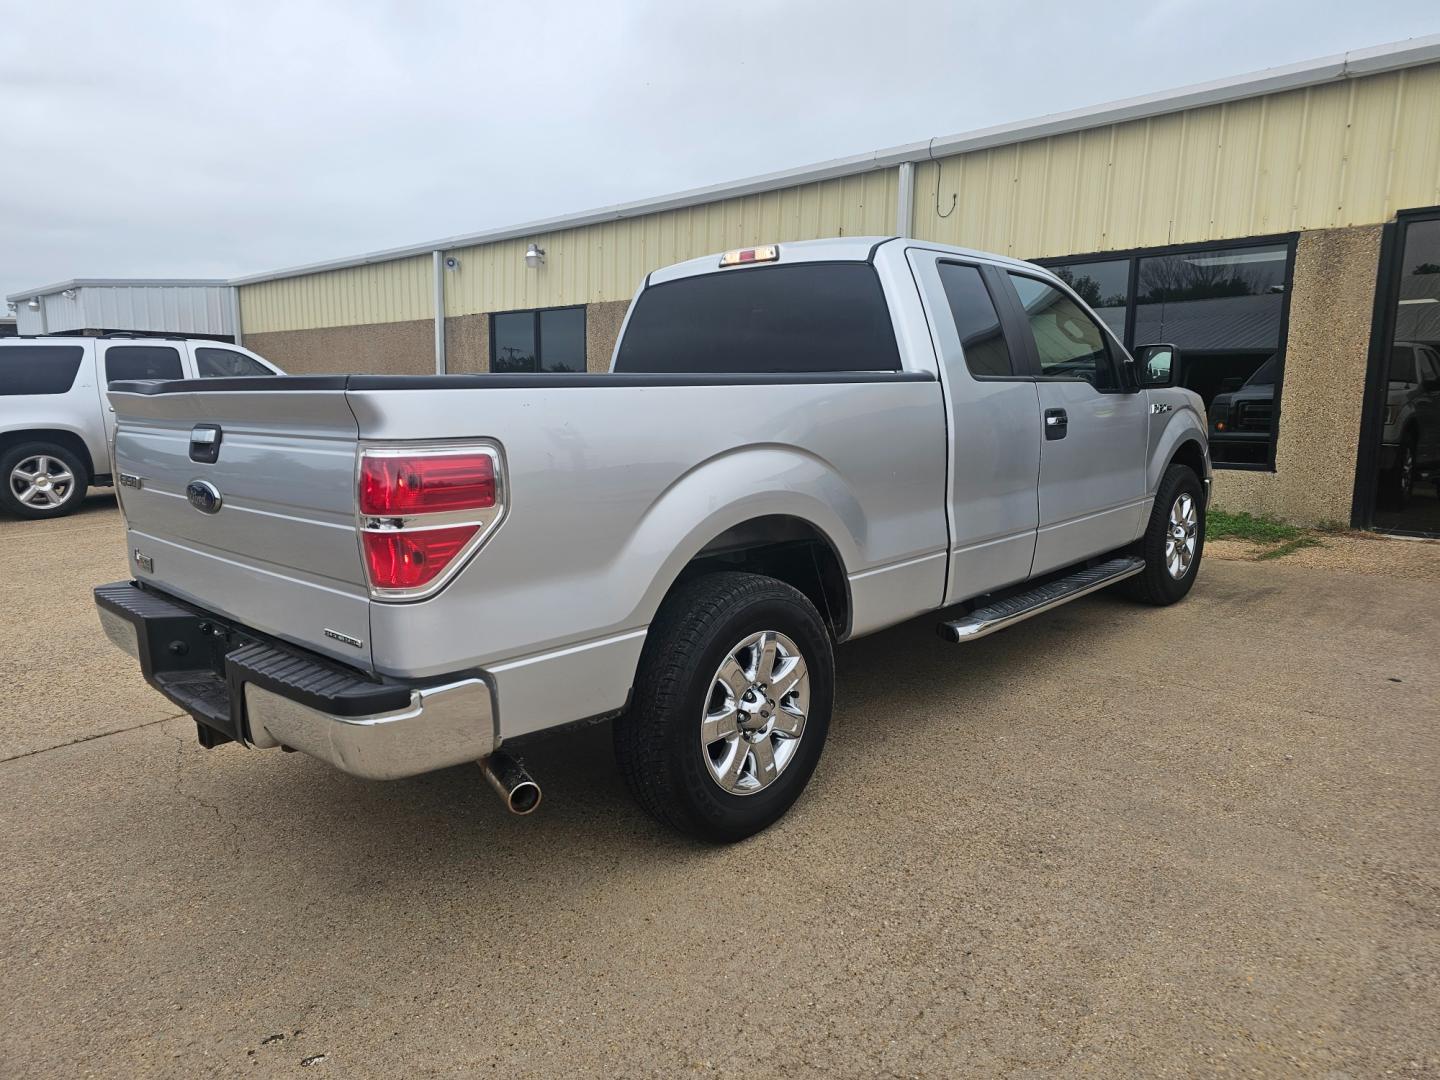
1115	841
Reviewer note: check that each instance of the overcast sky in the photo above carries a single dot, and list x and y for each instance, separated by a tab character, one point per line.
213	139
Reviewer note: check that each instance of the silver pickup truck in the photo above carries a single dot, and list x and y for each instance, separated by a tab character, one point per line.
796	445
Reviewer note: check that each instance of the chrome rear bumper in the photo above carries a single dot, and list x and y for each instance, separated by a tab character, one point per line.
265	694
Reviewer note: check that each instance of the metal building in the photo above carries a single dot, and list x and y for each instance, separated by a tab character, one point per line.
1282	228
195	307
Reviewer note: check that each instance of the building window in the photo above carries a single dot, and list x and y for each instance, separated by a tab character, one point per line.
1224	305
548	339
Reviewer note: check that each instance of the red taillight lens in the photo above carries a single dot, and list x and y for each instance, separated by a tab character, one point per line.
395	486
407	560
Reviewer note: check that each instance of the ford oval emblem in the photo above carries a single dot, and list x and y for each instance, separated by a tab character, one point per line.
204	496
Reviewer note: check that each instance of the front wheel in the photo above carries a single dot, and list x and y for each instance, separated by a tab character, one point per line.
1398	482
731	706
1174	539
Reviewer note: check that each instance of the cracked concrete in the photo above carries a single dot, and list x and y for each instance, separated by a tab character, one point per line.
1114	841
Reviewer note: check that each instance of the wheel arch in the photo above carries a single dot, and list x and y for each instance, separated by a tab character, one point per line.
69	440
785	547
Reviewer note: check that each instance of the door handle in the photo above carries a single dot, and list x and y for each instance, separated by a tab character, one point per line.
1057	423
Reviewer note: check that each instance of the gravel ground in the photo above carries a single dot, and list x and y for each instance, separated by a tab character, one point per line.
1114	841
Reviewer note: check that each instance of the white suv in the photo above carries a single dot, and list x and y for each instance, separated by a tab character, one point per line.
55	423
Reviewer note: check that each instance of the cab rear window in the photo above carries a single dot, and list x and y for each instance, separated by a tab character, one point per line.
807	317
38	369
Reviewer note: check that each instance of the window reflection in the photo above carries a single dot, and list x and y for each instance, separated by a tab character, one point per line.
1102	285
1408	484
1225	309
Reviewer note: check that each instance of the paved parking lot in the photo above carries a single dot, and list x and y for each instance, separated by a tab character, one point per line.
1114	841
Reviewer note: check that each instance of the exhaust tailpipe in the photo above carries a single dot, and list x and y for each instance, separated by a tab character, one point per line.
516	787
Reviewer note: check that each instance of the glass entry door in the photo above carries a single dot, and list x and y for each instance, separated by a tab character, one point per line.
1403	427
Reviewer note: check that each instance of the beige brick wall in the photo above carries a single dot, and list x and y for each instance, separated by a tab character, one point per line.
467	344
602	330
1326	355
396	348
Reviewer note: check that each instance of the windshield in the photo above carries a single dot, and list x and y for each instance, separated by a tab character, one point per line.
1266	374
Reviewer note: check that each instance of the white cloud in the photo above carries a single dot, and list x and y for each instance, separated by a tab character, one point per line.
168	139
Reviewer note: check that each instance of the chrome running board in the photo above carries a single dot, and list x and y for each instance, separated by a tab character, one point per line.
1013	609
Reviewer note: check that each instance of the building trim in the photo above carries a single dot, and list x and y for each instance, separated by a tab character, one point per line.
1412	52
117	283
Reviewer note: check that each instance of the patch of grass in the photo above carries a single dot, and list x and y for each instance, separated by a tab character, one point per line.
1289	548
1220	525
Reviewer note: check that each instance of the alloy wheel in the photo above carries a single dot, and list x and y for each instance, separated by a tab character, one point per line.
1183	535
42	482
754	715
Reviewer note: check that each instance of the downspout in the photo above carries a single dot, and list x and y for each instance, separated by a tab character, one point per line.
236	333
905	199
439	259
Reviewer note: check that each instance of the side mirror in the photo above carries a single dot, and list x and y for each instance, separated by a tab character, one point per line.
1157	366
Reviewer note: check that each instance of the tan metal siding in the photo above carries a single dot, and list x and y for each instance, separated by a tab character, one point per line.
1346	153
398	291
607	262
593	264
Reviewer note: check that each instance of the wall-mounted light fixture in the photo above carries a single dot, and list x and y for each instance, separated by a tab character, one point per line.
34	304
10	307
534	256
68	294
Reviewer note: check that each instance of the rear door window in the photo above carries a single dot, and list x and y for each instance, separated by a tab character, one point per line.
976	321
227	364
807	317
142	362
38	369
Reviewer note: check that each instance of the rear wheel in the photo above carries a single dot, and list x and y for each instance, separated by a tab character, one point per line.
41	480
1174	539
731	706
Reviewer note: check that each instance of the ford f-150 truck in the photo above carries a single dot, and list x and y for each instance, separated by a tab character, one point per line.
796	445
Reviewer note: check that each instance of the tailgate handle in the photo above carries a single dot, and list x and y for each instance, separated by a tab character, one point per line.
205	443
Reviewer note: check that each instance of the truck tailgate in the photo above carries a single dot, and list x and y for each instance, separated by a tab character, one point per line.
279	552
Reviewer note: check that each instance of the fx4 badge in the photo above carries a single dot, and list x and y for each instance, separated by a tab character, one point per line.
1160	407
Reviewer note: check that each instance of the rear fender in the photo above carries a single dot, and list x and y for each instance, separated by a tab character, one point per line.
721	493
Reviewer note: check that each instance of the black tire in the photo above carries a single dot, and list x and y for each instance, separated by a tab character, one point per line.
1397	483
1155	584
69	494
658	741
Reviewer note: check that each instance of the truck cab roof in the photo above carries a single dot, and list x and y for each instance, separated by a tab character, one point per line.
834	249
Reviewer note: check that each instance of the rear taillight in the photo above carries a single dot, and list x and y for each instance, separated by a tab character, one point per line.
423	510
393	486
408	560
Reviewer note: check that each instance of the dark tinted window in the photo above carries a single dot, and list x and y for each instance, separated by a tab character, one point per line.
1102	285
562	339
975	320
808	317
142	362
227	364
1069	344
38	369
1402	364
548	339
512	341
